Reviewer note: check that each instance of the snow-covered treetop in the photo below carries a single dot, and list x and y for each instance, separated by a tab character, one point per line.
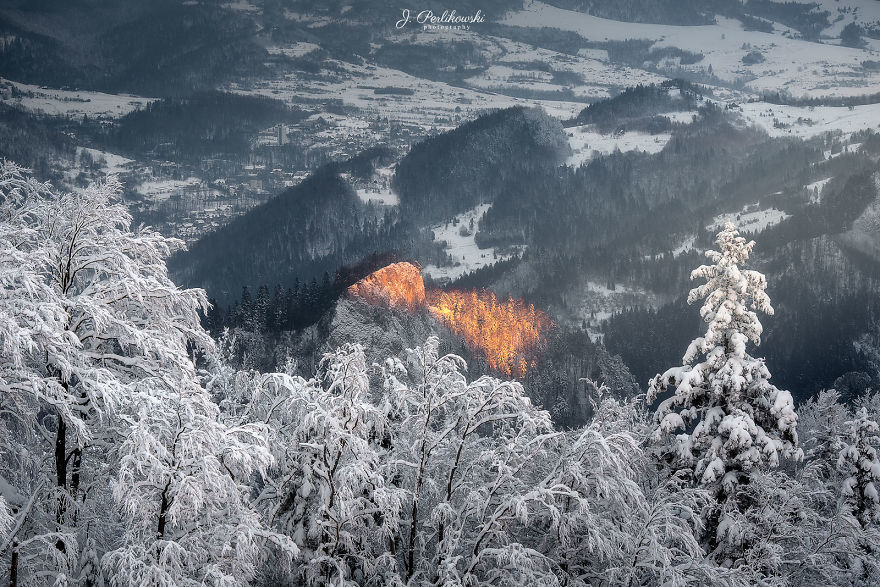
731	297
90	305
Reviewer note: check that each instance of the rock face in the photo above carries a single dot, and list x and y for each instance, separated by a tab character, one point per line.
398	285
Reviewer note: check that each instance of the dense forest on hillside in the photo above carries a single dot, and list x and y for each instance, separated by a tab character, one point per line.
269	326
476	162
164	48
633	105
610	219
33	142
275	241
615	200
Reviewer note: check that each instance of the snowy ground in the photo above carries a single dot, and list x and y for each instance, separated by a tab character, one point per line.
514	70
849	148
384	197
503	76
585	141
241	5
863	11
67	102
599	302
423	102
294	50
815	189
378	188
111	163
799	67
808	121
162	189
685	246
748	221
462	246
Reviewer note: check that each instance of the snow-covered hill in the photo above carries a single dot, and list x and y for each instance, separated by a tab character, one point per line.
800	67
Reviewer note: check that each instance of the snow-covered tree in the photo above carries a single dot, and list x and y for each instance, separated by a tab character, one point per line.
821	421
405	472
98	383
795	531
662	546
859	462
726	416
725	420
183	486
325	489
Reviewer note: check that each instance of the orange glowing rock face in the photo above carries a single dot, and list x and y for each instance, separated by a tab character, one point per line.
508	332
398	285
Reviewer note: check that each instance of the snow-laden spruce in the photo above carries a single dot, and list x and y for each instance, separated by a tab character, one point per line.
726	417
858	460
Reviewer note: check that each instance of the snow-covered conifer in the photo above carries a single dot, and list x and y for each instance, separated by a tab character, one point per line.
858	461
726	417
724	421
821	422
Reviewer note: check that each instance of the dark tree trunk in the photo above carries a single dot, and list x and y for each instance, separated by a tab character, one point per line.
13	565
61	475
76	467
163	514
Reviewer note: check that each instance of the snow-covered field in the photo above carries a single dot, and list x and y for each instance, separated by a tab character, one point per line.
815	189
514	69
162	189
381	196
241	6
848	148
68	102
861	11
799	67
111	162
599	302
378	188
585	140
810	121
748	221
685	246
420	101
502	76
462	247
294	50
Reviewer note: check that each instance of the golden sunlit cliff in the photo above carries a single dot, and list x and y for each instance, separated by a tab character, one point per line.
398	285
507	332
